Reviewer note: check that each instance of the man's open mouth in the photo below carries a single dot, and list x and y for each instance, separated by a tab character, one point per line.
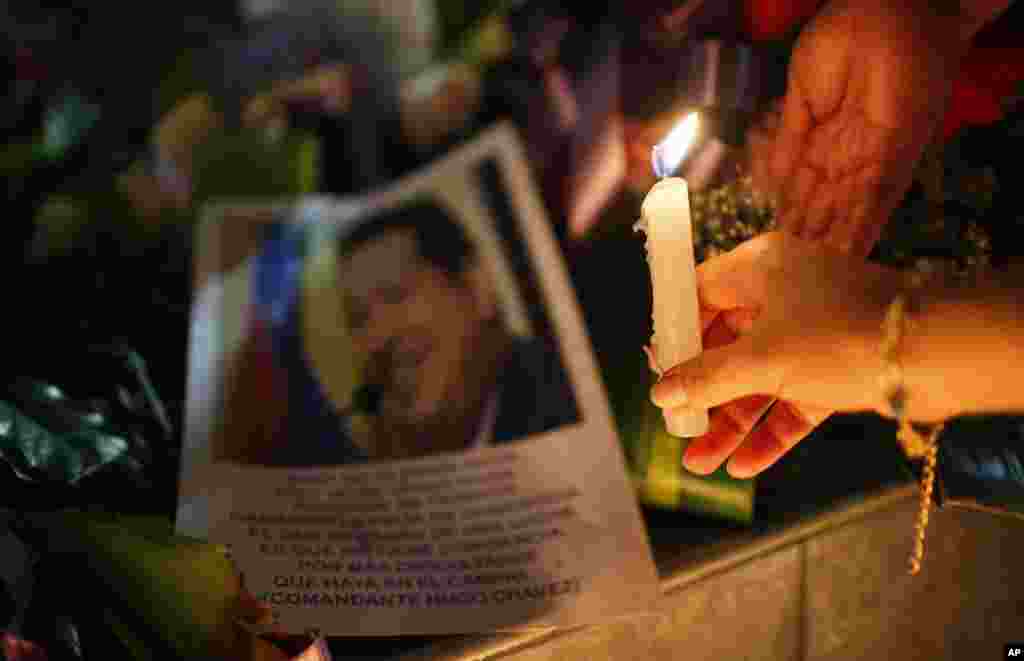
411	353
402	375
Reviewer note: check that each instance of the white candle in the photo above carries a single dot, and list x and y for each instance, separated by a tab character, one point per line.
665	218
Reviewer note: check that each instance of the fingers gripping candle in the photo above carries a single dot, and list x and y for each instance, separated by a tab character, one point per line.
665	219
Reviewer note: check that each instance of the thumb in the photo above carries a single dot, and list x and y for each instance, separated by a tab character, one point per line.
718	376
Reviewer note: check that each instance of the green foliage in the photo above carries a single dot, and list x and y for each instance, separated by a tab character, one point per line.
159	585
46	437
248	163
458	17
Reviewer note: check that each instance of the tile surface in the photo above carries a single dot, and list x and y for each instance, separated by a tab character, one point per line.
751	612
966	603
842	594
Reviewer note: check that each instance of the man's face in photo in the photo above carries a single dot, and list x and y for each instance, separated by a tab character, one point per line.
417	324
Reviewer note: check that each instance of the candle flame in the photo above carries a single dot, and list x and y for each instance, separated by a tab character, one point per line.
669	154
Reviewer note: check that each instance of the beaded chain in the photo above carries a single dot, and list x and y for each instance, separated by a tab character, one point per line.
915	445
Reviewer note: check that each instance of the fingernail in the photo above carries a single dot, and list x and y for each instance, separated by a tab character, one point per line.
667	393
699	465
739	472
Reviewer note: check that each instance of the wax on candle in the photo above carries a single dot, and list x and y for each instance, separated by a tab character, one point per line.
665	219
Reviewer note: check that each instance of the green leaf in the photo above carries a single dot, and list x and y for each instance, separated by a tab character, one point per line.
133	643
66	124
183	591
36	446
182	80
59	224
17	158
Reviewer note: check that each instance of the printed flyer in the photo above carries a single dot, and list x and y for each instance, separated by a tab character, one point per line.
395	420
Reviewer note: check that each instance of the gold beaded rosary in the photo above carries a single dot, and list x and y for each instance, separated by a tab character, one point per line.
915	445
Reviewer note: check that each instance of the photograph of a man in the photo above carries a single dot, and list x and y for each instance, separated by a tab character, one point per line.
441	370
444	371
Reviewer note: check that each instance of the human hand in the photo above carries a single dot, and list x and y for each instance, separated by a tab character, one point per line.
789	322
867	86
